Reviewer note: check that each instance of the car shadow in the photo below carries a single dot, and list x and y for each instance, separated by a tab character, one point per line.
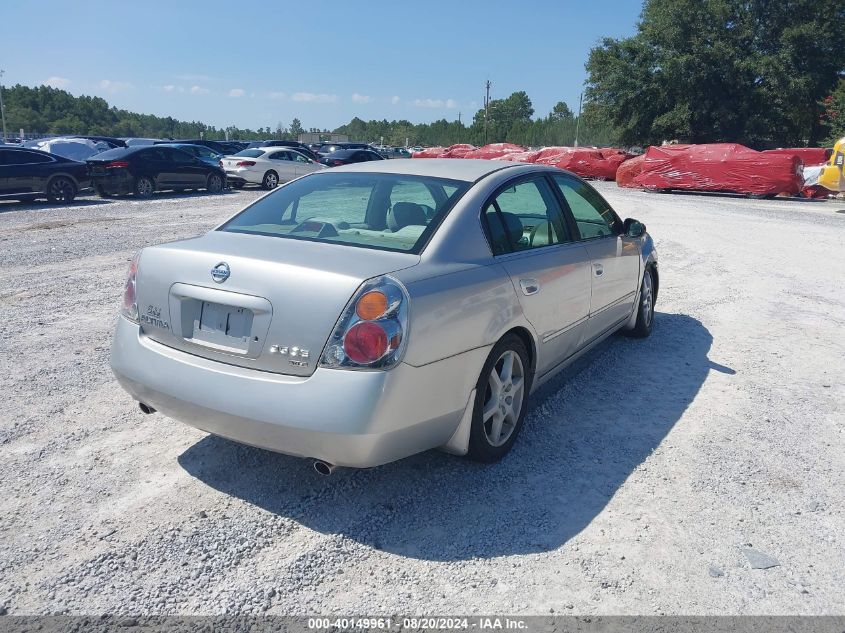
585	434
14	205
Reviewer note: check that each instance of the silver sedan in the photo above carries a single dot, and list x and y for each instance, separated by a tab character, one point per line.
362	314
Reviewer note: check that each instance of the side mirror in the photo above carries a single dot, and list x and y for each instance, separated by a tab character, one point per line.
633	228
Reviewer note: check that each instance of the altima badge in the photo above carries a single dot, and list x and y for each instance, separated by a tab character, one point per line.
221	272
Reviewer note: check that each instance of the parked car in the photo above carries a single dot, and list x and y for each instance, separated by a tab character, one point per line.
131	142
267	166
347	156
201	152
29	174
142	170
395	152
363	314
302	148
218	146
330	148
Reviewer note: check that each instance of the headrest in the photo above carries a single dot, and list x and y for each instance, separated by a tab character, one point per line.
404	214
500	235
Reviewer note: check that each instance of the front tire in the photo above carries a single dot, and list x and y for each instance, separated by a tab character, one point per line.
501	395
214	183
144	187
61	189
645	309
270	180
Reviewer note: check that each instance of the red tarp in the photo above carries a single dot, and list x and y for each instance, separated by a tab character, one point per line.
720	167
494	150
430	152
520	157
629	170
588	163
810	155
458	151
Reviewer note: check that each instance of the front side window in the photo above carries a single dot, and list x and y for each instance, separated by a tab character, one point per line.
592	214
358	209
523	217
251	153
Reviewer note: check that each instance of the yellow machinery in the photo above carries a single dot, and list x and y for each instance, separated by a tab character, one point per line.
832	175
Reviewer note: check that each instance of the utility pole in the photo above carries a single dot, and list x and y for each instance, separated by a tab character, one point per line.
486	109
3	107
459	117
578	120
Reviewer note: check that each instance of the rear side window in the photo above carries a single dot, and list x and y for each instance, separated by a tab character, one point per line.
26	158
592	214
357	209
524	216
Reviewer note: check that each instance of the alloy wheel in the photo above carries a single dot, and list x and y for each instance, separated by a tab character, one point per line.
648	299
61	190
504	398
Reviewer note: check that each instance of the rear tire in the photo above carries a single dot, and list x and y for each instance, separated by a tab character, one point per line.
645	309
214	183
270	180
144	187
61	189
501	395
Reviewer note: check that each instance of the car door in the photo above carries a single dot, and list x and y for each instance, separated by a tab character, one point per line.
156	164
26	172
284	165
302	165
5	160
549	268
188	171
614	257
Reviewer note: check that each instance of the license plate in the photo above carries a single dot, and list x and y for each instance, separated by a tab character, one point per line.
223	327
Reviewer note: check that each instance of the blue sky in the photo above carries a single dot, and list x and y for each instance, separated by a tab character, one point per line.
254	63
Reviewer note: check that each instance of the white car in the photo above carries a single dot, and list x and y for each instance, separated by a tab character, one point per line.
267	166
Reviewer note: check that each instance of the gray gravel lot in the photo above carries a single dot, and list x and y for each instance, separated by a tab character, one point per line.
654	477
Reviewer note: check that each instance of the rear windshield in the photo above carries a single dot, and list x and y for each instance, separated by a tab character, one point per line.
251	153
393	212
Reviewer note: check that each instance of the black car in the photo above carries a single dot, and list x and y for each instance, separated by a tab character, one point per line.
146	168
221	147
27	174
347	156
300	147
330	148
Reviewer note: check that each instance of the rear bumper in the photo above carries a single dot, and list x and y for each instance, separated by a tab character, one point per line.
117	184
243	175
347	418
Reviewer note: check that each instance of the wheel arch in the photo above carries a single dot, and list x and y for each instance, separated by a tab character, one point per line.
527	340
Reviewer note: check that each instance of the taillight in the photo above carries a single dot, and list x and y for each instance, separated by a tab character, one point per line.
130	301
371	331
245	163
117	164
337	163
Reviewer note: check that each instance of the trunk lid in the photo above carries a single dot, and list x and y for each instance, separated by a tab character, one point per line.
279	294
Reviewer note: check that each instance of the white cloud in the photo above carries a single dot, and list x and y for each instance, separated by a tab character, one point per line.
394	100
199	90
114	87
451	103
434	103
278	96
237	92
361	98
56	82
310	97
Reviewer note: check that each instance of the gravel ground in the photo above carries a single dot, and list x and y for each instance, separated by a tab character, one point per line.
651	478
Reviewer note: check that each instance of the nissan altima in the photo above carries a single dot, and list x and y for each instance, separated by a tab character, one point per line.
359	315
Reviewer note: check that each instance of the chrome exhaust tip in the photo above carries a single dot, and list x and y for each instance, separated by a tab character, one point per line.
146	408
324	468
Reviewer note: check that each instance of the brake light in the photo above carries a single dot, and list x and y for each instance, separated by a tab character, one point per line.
370	333
245	163
130	300
117	164
337	163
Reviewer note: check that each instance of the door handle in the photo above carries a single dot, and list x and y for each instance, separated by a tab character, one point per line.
529	286
598	269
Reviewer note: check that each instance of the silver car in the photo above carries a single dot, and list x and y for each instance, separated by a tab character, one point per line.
362	314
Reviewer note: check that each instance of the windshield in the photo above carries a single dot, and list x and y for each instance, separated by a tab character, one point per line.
383	211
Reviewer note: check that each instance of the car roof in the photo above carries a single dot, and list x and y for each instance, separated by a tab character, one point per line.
468	170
